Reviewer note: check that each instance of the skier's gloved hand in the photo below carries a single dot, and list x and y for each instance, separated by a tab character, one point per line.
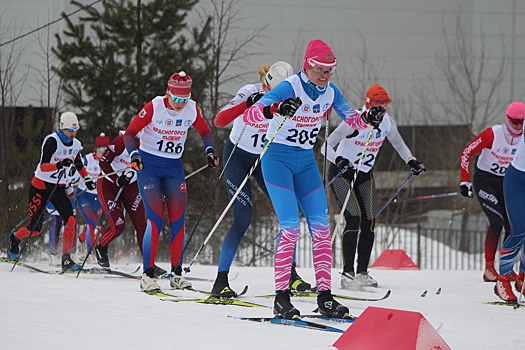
213	160
289	106
465	188
136	161
374	116
253	98
78	165
343	164
416	167
124	179
64	163
90	184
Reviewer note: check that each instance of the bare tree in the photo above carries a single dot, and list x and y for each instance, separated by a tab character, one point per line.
469	94
228	52
11	87
473	78
49	82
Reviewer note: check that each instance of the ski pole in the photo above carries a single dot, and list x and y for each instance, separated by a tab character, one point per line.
196	171
431	196
239	189
60	175
94	179
326	131
110	210
194	229
394	195
331	181
351	187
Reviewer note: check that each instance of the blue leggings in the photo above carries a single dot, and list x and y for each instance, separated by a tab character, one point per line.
514	191
162	181
238	167
91	209
292	178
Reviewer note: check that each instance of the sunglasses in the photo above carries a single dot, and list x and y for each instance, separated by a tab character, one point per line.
103	148
177	99
72	129
323	70
515	121
381	102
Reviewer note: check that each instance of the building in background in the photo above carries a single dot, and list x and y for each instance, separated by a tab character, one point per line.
401	44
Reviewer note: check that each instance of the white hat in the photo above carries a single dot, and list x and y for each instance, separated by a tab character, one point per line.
68	120
277	73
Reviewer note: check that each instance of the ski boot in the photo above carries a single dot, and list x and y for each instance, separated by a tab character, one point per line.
14	247
148	283
297	283
101	254
177	281
365	280
282	306
348	281
329	307
503	289
221	287
69	264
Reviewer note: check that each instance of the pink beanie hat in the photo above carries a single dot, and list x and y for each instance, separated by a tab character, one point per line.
318	53
516	111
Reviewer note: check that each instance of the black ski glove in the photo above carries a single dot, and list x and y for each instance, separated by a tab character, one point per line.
64	163
213	160
416	167
343	164
374	116
253	98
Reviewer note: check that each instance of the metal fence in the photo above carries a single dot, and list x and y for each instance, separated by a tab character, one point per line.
429	248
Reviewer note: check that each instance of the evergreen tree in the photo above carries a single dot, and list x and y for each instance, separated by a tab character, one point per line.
116	59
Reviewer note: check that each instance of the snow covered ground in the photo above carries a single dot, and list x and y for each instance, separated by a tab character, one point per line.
99	312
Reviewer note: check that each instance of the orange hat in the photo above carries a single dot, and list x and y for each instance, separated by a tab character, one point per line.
179	84
376	95
102	140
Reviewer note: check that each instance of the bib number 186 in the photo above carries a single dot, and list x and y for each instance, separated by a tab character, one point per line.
169	147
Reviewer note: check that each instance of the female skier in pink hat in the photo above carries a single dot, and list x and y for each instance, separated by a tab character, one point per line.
296	108
498	145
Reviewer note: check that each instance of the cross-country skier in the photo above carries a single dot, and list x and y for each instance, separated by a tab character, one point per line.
296	108
246	141
514	192
88	201
358	234
498	145
116	159
164	122
60	158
